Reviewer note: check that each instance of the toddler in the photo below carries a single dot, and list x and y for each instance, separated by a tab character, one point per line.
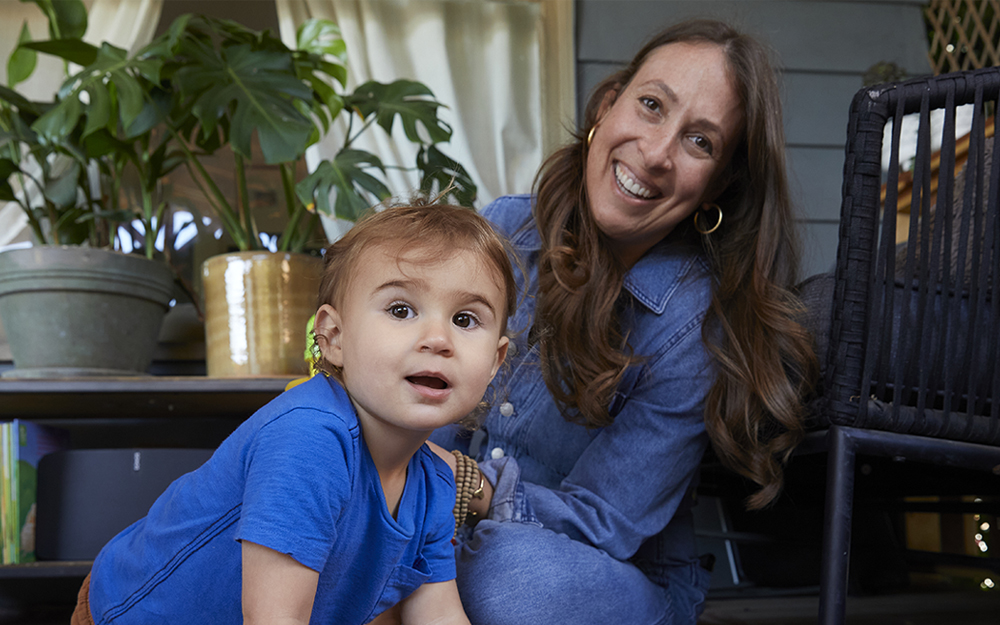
326	506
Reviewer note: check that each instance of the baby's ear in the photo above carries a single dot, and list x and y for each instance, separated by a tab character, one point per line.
328	333
501	355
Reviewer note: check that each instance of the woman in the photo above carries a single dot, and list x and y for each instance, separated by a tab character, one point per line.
659	250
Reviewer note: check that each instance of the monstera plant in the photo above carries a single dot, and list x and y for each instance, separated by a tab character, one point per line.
208	83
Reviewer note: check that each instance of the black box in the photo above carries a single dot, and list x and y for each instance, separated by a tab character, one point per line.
87	496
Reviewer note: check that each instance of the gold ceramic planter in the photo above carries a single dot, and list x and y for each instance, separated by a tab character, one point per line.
257	305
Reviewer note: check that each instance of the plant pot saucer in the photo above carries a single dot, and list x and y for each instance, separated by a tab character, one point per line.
71	372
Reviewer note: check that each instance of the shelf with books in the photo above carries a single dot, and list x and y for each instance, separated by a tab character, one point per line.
148	411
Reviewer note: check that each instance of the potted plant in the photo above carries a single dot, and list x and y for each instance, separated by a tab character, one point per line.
238	82
209	83
103	307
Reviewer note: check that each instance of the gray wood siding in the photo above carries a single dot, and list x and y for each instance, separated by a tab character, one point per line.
824	49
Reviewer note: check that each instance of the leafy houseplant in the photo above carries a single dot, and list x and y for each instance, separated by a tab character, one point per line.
209	83
107	306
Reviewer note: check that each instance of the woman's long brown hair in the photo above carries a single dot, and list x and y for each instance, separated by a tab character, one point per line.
764	358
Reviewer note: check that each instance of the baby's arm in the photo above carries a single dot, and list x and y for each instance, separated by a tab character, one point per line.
434	604
277	588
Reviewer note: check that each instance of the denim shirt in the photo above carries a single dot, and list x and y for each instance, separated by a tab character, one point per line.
618	488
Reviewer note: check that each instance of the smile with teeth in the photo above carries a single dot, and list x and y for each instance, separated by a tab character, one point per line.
626	183
428	381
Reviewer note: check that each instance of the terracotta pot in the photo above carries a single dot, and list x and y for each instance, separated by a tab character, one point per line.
257	305
76	311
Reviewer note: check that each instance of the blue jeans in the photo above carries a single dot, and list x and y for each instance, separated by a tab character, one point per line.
520	573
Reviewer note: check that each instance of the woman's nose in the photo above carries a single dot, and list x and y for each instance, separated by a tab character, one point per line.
658	148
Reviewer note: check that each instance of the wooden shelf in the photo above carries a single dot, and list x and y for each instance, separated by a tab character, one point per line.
139	397
46	570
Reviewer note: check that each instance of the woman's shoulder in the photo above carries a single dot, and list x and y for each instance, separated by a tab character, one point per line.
510	213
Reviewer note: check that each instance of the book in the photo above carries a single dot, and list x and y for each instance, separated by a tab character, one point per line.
6	501
25	444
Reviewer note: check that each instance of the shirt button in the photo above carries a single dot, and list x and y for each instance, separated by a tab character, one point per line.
506	409
512	349
496	453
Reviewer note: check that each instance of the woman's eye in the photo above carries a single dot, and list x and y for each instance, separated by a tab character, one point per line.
702	143
465	320
650	103
401	311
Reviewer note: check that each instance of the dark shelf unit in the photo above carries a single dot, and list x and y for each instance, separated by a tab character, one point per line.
179	397
147	411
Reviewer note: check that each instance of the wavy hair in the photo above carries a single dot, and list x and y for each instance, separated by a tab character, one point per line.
764	357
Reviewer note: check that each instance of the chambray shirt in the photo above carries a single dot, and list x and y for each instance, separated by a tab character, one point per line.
624	488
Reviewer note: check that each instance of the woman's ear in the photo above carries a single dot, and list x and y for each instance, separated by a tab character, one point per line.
607	100
328	329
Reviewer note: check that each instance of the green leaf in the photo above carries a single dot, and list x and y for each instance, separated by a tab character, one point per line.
319	36
73	50
71	15
356	189
22	61
154	112
7	168
412	101
260	90
439	172
62	191
59	121
98	110
16	99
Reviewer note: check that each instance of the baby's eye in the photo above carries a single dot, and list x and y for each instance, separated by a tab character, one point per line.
465	320
400	311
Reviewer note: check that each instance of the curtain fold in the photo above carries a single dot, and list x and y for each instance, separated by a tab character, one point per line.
504	69
128	24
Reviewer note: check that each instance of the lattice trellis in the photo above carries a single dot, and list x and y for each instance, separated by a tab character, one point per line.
964	34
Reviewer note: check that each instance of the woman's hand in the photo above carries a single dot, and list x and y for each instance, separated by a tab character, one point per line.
479	507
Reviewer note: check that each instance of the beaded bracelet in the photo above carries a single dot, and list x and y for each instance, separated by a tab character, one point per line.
466	488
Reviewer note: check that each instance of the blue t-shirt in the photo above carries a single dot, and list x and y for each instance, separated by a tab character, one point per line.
296	477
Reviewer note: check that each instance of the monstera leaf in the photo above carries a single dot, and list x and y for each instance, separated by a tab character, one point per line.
114	86
438	169
316	42
354	186
256	90
412	101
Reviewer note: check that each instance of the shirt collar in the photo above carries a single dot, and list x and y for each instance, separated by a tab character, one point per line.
651	281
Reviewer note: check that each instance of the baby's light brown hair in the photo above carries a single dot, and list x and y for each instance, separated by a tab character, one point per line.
421	232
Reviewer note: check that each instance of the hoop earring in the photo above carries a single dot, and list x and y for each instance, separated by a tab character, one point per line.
590	135
718	222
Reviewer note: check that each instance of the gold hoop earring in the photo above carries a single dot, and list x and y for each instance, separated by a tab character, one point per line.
590	135
718	222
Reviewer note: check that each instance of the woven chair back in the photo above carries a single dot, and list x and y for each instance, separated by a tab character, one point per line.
915	333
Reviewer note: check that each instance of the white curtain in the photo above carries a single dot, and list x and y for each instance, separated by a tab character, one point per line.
128	24
504	69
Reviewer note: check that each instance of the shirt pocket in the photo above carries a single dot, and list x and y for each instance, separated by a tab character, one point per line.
401	583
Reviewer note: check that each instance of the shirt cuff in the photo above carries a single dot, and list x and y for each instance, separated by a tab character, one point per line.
509	500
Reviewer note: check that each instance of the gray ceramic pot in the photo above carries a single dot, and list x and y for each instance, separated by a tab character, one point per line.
73	311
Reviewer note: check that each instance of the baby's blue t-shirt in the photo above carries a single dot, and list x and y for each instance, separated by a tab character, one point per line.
296	477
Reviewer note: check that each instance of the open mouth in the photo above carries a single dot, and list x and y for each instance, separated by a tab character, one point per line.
428	381
630	186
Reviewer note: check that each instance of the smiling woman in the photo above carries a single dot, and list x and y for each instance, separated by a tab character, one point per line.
660	250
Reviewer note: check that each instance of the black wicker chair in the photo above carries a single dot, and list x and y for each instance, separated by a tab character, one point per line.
914	340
